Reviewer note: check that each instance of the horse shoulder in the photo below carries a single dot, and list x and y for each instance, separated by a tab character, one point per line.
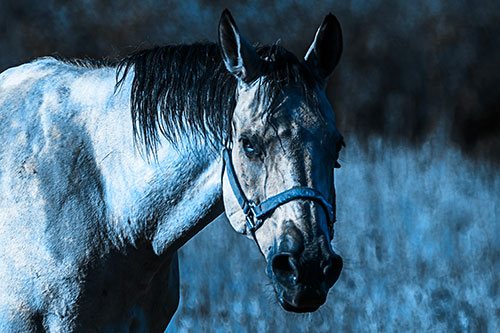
52	192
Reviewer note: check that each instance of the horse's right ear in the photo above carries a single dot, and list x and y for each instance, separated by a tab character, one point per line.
239	56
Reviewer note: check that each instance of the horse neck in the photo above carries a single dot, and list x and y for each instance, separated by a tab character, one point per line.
185	197
159	202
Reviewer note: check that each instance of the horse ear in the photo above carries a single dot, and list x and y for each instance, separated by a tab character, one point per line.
239	56
324	53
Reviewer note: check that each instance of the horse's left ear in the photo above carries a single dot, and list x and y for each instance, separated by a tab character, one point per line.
324	53
239	56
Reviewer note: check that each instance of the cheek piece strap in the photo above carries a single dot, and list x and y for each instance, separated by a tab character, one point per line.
257	213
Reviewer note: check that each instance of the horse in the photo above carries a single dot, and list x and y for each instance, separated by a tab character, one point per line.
107	169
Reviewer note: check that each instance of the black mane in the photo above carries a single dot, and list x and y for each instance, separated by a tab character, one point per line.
179	89
85	62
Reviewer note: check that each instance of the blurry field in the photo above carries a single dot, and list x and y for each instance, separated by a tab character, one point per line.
419	231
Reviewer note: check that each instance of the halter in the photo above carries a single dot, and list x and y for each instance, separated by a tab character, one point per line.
256	213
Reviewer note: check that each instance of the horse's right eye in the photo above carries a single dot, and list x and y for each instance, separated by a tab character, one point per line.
247	146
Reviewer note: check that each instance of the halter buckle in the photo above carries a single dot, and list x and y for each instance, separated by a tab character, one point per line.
251	218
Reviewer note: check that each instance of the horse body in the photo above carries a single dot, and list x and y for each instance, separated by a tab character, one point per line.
107	170
76	199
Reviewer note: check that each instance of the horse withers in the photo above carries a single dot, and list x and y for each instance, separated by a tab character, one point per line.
108	169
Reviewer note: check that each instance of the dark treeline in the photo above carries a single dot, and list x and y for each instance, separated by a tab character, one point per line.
409	68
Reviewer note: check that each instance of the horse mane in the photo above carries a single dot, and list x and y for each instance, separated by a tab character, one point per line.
179	89
186	89
85	62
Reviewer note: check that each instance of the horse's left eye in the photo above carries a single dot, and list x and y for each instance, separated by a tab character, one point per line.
337	165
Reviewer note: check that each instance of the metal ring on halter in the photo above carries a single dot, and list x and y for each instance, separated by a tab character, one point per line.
252	221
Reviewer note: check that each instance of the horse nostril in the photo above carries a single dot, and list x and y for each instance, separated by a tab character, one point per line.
332	271
285	269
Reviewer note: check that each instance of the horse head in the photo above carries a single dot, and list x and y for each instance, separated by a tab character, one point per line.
283	146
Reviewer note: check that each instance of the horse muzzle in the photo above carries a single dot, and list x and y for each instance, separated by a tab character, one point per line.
301	280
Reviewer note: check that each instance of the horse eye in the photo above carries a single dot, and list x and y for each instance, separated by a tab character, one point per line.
337	165
247	146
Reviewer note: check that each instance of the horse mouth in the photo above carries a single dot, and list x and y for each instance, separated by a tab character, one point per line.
291	308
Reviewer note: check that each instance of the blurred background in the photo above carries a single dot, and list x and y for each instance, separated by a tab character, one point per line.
417	98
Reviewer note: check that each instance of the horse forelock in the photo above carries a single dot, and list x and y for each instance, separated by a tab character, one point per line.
282	69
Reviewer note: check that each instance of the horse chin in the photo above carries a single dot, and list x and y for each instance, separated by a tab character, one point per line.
291	308
298	301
